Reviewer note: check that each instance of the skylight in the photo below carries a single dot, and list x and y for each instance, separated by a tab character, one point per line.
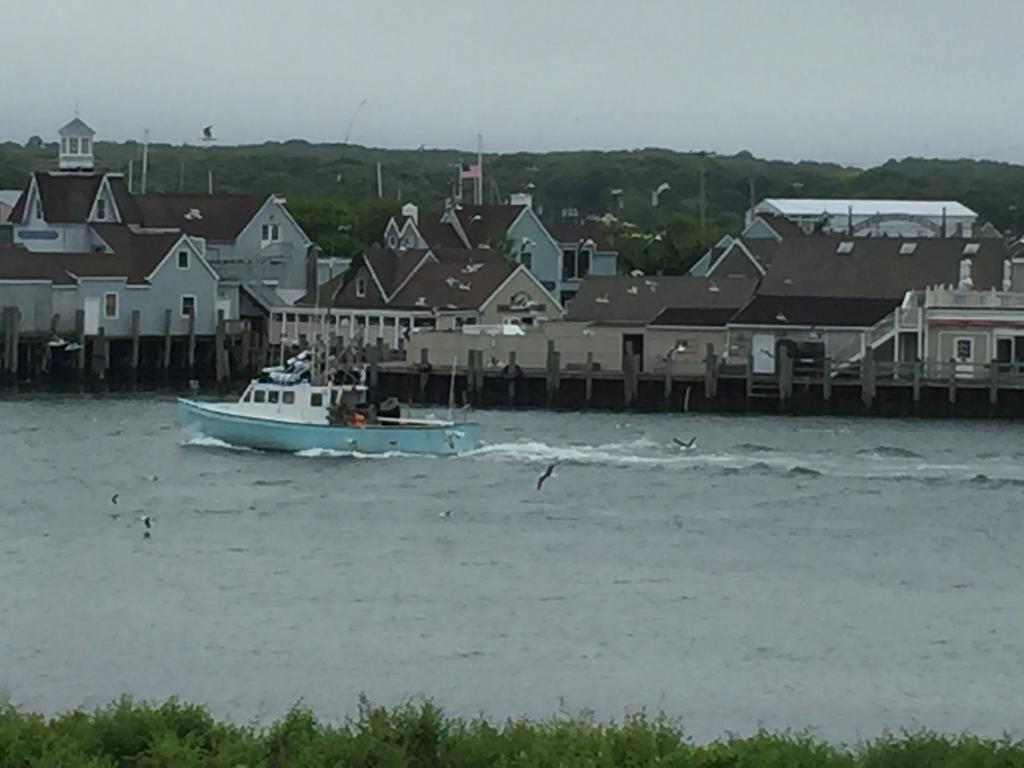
846	246
907	248
971	249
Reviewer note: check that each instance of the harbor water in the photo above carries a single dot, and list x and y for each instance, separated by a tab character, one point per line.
847	575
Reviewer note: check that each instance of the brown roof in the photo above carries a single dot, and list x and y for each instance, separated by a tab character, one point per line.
783	227
485	224
453	285
708	301
19	207
630	300
135	256
437	233
815	311
875	268
572	232
393	267
125	201
221	216
67	198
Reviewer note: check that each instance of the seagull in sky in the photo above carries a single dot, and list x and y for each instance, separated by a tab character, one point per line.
547	473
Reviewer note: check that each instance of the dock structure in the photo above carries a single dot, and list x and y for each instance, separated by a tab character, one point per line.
64	352
865	387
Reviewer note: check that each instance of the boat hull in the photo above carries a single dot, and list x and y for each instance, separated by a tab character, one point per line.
270	435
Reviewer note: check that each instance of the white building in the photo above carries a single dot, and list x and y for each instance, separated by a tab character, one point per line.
872	218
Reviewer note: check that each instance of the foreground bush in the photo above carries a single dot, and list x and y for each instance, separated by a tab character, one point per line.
129	733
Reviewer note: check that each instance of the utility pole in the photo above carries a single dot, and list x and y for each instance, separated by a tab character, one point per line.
145	158
181	175
131	169
380	181
480	169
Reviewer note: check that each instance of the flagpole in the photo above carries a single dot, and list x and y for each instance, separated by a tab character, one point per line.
480	168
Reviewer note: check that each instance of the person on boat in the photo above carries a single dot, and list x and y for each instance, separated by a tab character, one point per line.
358	419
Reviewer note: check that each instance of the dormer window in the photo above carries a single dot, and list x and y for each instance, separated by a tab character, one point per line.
101	207
361	287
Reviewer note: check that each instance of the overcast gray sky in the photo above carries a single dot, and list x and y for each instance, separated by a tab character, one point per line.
850	81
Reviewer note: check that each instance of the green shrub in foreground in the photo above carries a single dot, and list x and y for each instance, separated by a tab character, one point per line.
418	735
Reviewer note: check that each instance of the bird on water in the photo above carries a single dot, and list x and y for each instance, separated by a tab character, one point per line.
686	446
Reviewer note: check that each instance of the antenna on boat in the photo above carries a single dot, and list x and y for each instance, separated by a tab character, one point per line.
451	390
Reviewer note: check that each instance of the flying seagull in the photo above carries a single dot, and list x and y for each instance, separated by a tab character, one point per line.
446	515
547	473
686	446
113	499
147	521
208	133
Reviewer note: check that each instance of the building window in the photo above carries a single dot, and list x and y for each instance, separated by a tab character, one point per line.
526	259
271	233
568	264
964	350
273	396
72	146
583	264
288	397
101	209
182	259
260	396
361	287
110	306
188	306
316	400
85	146
64	145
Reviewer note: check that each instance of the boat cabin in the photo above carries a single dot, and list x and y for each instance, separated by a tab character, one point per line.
301	402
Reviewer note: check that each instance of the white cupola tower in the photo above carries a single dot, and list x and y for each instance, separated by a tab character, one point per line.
76	146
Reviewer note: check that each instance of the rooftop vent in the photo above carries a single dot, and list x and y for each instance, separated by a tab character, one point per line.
907	248
971	249
845	247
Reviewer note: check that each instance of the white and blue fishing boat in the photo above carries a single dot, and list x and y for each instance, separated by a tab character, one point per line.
285	411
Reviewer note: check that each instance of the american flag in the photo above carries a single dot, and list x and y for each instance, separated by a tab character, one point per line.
469	171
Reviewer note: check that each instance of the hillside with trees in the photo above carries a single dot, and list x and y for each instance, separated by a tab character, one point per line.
332	188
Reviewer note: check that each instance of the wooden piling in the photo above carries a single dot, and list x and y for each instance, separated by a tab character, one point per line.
424	374
192	348
220	352
710	373
510	379
867	380
917	375
588	380
15	331
785	367
952	382
135	345
246	362
667	394
551	375
629	380
750	376
826	382
5	322
993	384
80	333
98	360
166	357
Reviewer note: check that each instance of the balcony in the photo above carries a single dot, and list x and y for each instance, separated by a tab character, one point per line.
955	298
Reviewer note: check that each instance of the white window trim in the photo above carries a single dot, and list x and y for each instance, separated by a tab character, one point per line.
117	305
188	258
360	287
181	305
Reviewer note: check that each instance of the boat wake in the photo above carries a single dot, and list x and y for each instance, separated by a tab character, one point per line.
329	453
212	442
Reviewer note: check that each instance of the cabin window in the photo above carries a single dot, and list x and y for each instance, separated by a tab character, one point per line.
247	397
273	396
361	287
271	233
316	399
260	396
188	306
288	397
183	259
101	209
110	306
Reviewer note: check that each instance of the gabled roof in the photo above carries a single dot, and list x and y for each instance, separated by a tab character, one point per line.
135	256
67	198
448	286
708	302
782	226
484	224
570	232
628	300
76	127
875	268
215	217
438	234
392	267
